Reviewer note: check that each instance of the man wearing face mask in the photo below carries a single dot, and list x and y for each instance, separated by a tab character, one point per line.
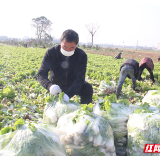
67	65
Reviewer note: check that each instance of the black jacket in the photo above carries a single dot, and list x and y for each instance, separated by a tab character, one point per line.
67	72
118	56
133	63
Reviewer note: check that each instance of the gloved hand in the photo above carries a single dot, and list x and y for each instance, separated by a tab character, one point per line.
55	90
66	98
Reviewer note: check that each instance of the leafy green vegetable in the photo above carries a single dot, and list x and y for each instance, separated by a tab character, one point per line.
106	106
145	105
124	101
61	95
88	107
6	130
139	110
8	92
19	123
32	127
156	92
112	98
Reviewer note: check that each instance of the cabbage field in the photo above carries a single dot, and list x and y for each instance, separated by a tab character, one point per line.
24	102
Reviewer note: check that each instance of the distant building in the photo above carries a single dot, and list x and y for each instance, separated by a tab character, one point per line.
158	47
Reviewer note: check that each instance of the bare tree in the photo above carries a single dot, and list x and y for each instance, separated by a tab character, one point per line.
42	25
92	28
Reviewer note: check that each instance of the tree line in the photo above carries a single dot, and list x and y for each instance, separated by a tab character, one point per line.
42	27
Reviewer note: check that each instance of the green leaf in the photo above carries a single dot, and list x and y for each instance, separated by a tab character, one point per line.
6	130
61	95
32	127
138	111
19	123
124	102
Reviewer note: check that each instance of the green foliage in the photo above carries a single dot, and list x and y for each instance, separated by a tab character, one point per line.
8	92
106	106
6	130
139	110
32	127
124	101
19	123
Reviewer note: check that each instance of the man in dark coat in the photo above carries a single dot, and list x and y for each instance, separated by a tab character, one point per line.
147	63
118	56
67	65
130	69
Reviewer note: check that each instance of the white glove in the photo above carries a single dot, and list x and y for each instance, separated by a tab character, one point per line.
55	90
66	98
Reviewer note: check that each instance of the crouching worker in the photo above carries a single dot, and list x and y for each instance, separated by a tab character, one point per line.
118	56
148	64
67	65
130	69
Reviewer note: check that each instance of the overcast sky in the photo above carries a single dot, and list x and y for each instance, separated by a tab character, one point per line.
120	21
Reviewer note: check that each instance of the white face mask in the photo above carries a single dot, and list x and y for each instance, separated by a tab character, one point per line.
66	53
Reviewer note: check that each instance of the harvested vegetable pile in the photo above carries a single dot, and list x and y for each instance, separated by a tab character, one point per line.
143	128
86	134
106	88
30	139
116	113
55	108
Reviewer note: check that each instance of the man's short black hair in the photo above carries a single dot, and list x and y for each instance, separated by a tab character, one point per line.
70	36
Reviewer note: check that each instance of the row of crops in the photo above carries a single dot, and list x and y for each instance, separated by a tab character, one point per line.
24	100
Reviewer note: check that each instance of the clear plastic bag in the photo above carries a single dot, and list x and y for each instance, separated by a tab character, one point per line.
142	129
106	88
55	109
117	116
86	134
26	142
152	97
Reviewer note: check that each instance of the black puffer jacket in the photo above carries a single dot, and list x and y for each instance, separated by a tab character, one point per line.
133	63
67	72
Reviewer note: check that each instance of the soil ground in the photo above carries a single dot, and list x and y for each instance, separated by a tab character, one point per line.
128	54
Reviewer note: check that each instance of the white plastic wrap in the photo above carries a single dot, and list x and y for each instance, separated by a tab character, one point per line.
117	116
25	142
143	129
55	109
86	134
152	97
106	88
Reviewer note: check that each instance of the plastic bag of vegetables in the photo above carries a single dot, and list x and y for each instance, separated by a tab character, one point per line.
56	107
31	139
152	97
106	88
144	106
117	115
143	128
86	134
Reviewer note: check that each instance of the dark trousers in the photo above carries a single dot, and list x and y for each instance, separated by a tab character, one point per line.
141	68
126	71
86	93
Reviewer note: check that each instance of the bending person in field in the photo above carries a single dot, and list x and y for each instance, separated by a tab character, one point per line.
148	64
118	56
130	69
67	65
